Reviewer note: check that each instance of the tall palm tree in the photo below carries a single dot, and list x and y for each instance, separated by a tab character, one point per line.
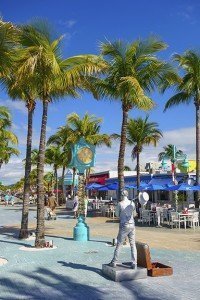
25	91
133	71
54	77
8	41
188	90
140	133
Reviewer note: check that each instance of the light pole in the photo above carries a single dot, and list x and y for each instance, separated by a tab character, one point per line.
174	158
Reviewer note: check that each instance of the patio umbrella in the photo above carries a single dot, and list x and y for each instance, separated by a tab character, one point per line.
195	188
114	187
152	187
181	187
109	187
93	186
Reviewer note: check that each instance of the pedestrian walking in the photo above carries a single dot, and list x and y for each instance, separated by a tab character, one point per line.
7	198
126	211
75	206
51	205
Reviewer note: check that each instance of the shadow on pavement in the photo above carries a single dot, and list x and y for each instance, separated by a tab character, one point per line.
79	267
9	231
16	243
46	284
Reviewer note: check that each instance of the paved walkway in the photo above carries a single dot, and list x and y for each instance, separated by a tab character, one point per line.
73	271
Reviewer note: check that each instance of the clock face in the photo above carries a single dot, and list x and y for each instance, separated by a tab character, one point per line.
85	155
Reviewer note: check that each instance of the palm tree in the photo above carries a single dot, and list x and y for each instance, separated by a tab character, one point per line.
49	180
8	40
60	139
53	156
25	91
54	77
7	138
88	128
5	117
170	152
34	157
188	90
127	168
6	152
133	71
140	133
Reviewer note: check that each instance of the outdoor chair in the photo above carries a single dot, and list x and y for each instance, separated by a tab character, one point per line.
194	219
175	219
191	205
165	215
146	216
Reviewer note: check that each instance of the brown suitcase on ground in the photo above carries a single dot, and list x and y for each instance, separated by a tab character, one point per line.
144	260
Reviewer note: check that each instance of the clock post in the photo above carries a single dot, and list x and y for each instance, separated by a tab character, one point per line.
83	156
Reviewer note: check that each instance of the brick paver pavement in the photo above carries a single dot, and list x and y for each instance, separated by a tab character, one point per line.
73	270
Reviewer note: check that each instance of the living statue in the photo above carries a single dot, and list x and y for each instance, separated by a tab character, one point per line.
126	211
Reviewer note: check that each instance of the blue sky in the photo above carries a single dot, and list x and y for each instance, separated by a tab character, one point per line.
85	24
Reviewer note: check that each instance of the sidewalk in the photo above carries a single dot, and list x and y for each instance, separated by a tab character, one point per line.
73	271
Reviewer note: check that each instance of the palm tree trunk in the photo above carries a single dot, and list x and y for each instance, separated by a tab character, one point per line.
138	169
73	181
40	239
197	152
87	175
63	178
122	152
56	178
23	234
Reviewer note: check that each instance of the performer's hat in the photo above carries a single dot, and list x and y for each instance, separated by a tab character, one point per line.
143	198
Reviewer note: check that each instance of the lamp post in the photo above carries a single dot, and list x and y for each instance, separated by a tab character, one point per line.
83	157
174	158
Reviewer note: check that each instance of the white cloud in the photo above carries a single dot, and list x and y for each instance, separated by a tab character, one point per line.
187	13
107	158
183	138
15	105
68	23
49	129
